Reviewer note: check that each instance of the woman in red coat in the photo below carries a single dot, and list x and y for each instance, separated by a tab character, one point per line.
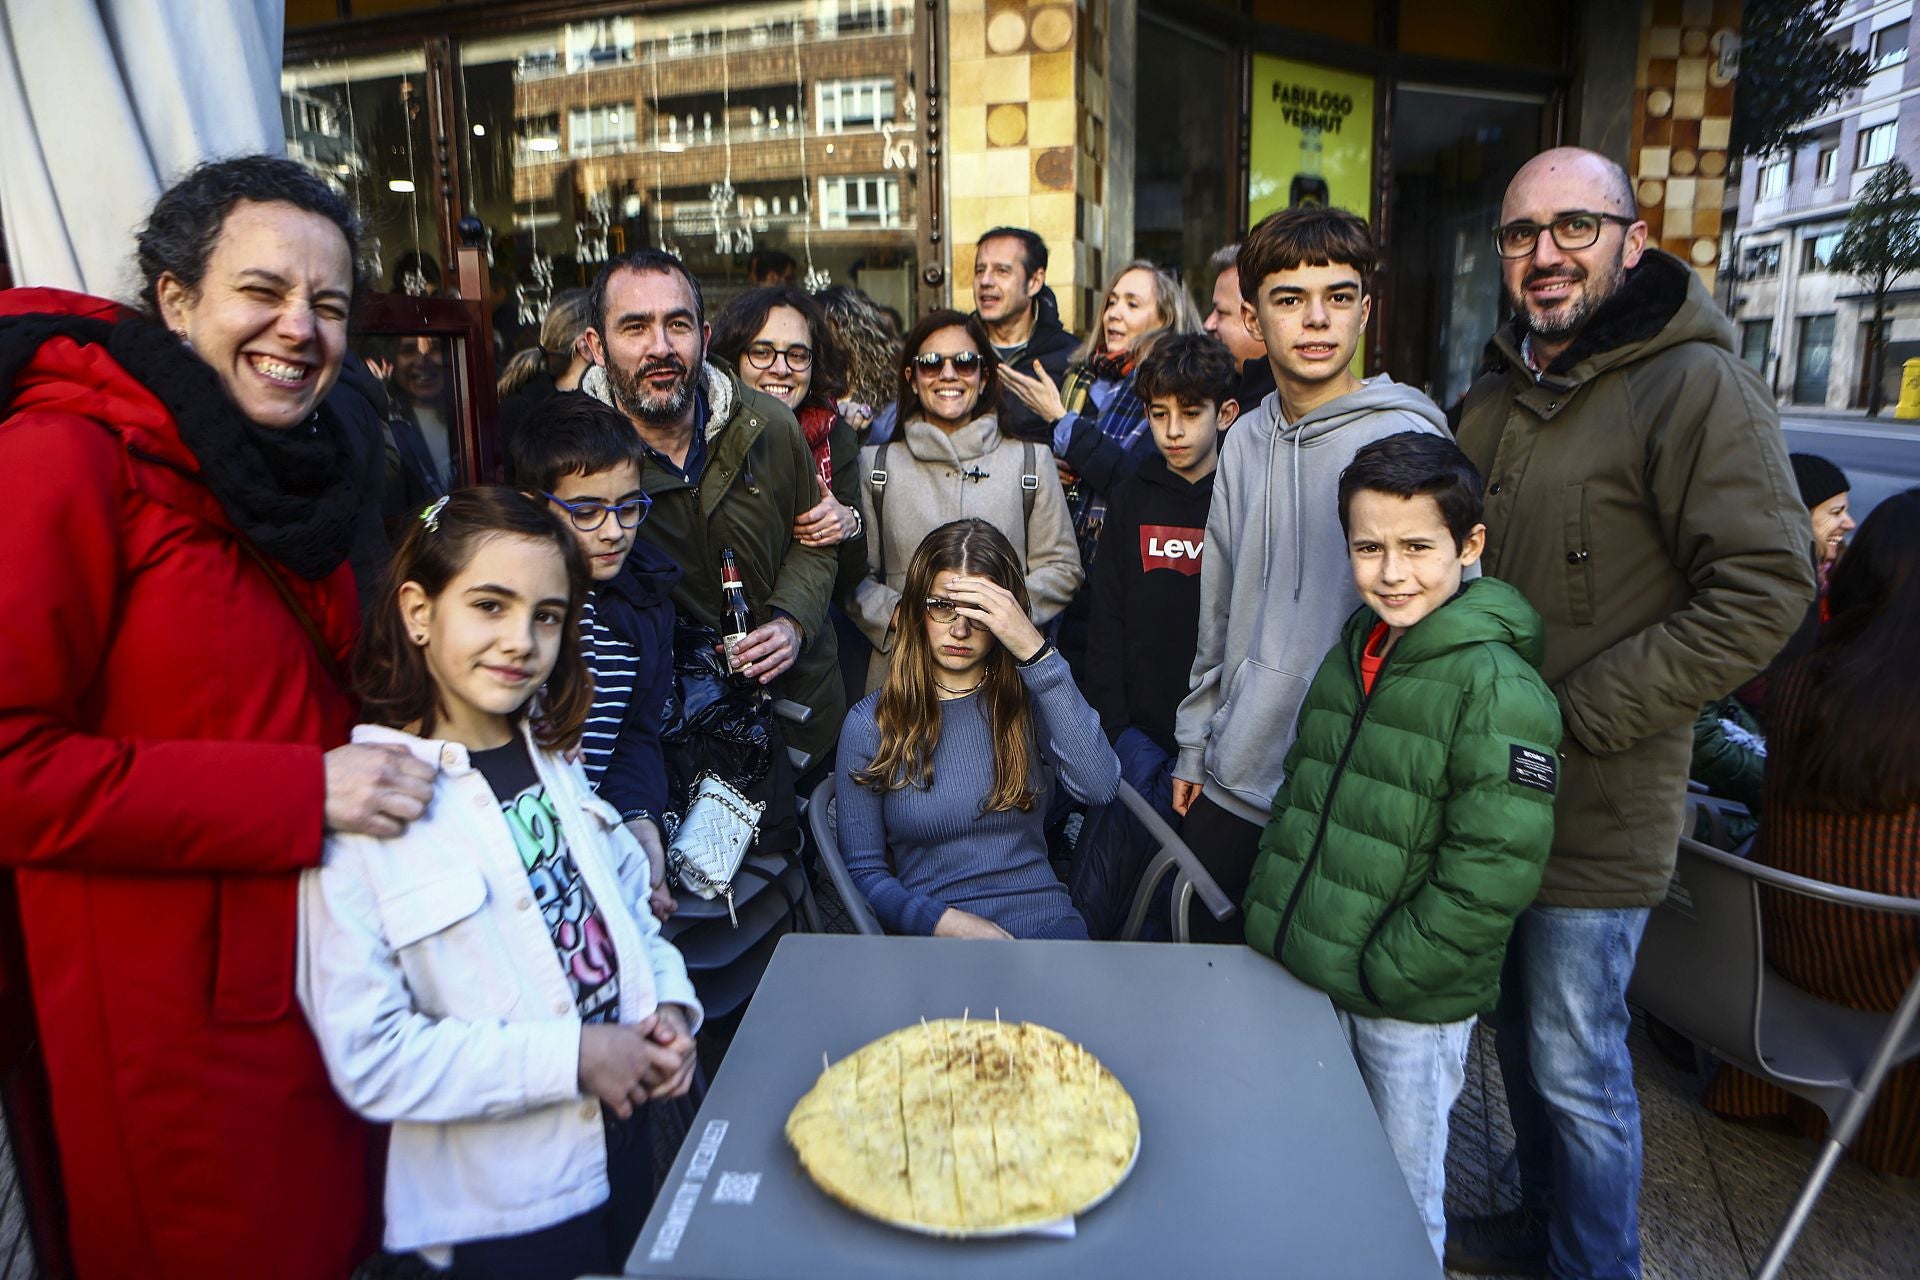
177	604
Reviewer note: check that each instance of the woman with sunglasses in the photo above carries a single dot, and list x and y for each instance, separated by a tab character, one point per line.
949	462
941	799
583	459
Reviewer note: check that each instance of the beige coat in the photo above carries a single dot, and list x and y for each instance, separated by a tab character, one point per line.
934	478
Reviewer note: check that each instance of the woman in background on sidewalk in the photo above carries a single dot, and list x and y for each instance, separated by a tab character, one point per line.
1842	804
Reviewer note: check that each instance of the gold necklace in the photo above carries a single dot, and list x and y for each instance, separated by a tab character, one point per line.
960	693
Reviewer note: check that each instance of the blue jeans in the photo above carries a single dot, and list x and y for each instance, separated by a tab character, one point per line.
1414	1072
1561	1033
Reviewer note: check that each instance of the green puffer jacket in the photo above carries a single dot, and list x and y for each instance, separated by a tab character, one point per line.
1414	821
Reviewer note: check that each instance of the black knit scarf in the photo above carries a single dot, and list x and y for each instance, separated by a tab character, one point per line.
290	491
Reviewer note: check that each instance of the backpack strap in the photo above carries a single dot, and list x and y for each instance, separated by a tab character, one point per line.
877	481
1029	481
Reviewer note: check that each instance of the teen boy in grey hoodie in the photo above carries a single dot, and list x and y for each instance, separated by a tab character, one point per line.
1275	584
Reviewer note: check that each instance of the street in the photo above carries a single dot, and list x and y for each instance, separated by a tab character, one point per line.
1881	457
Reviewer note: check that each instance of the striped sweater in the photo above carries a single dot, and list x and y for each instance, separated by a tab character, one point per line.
626	638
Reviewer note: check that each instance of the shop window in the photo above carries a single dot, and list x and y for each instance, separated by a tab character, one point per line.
1761	262
1874	146
1186	143
859	104
1816	251
1774	175
859	202
1889	48
614	126
689	131
361	124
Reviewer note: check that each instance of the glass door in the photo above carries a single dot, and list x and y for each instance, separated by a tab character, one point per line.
1813	363
1453	152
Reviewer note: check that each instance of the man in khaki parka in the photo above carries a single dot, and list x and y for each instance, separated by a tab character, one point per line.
1638	494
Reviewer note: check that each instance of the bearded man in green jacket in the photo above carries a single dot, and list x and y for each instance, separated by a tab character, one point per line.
727	467
1639	495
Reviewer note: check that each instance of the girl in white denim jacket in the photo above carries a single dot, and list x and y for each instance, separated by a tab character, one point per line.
490	981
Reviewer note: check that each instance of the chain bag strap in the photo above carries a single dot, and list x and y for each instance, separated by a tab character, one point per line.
712	840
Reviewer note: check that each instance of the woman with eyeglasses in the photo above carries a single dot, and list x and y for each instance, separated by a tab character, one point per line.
780	341
949	462
941	798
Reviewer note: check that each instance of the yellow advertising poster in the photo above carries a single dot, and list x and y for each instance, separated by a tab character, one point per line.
1311	138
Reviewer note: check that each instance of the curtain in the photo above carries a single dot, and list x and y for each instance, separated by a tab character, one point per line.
103	103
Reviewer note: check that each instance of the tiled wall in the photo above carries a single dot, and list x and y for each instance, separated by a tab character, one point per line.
1026	90
1681	118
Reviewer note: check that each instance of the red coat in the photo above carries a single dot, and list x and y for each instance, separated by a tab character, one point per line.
162	720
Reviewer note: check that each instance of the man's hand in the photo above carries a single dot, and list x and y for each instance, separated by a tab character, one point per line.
376	789
1035	390
614	1063
768	651
955	923
1184	794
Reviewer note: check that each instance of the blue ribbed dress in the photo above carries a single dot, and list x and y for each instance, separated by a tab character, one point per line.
946	852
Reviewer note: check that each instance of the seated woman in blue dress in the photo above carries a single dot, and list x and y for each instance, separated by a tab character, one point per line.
943	766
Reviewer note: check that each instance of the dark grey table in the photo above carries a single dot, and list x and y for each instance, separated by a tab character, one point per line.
1260	1153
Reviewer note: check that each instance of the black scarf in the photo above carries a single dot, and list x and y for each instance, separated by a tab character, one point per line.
290	492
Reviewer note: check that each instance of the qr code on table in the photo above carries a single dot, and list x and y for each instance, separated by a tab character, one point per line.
736	1188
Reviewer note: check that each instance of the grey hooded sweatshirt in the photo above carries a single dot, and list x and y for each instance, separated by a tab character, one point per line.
1276	574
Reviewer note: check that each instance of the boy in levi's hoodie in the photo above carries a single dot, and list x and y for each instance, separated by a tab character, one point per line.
1274	583
1145	615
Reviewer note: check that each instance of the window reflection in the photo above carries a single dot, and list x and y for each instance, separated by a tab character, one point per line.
715	133
361	124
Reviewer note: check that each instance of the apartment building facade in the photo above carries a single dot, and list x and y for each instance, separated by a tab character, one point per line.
1803	325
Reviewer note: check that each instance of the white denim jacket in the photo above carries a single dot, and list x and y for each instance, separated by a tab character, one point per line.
432	984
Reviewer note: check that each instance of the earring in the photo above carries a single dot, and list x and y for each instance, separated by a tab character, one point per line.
185	341
419	639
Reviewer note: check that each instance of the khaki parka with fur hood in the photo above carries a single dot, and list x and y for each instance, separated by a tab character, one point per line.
1638	494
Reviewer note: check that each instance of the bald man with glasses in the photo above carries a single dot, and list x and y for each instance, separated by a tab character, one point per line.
1638	493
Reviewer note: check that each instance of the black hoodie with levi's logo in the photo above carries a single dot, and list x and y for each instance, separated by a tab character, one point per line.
1146	601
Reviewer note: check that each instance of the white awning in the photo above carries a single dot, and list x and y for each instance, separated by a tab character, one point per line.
103	103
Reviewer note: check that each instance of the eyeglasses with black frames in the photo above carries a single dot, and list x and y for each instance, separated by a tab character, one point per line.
761	355
963	362
1570	231
588	515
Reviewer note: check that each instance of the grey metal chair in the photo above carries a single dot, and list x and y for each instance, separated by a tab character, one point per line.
1702	969
1173	858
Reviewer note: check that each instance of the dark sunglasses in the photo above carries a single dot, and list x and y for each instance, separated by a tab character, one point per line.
588	516
964	362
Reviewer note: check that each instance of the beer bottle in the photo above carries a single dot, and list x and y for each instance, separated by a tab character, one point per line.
734	594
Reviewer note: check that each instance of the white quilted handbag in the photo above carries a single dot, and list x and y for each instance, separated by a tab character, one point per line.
712	840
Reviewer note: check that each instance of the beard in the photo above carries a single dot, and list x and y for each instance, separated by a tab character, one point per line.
642	402
1570	316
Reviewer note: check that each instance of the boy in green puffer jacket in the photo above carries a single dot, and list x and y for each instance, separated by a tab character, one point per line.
1418	806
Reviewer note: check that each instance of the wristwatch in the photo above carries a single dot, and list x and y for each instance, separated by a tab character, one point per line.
859	525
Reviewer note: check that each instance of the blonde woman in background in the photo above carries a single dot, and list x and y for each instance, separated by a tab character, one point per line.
555	365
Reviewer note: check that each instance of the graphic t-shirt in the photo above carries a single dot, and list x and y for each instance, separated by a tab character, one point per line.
573	918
